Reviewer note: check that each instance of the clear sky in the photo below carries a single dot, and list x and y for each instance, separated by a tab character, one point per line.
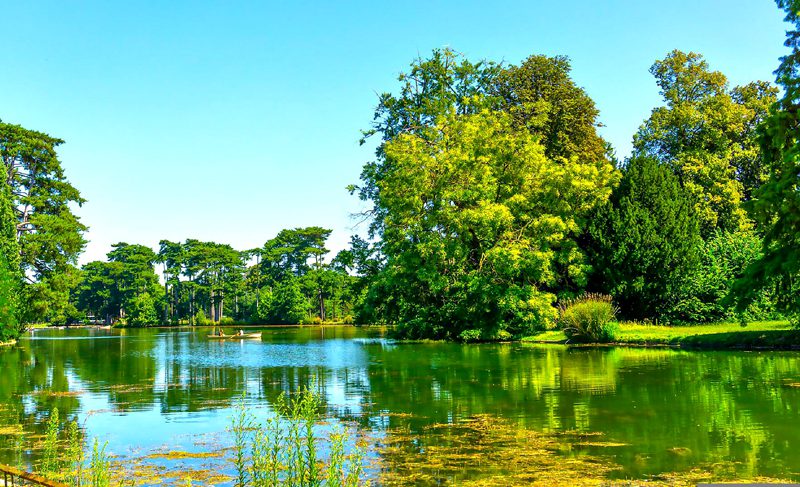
230	120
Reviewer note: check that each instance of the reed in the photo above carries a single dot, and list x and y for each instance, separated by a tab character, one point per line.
286	448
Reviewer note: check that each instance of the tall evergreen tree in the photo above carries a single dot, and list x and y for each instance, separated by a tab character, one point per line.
49	234
644	241
9	267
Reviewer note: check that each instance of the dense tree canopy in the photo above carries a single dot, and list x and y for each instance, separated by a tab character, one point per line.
776	204
48	236
487	230
706	134
287	280
542	97
644	242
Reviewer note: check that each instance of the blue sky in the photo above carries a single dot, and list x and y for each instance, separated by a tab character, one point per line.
228	121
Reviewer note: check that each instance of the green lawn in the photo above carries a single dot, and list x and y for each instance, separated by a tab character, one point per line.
762	334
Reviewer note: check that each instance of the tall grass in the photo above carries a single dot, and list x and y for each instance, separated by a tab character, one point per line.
284	449
64	458
589	318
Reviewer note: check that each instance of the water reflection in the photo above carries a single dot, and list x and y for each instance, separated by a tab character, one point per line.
672	409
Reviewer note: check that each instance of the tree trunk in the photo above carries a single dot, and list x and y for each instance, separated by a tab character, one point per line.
321	305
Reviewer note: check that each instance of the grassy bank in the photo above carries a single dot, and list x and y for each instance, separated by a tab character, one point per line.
756	335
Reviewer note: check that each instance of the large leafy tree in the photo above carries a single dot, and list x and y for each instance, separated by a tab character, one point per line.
477	221
705	133
173	256
776	205
99	293
9	267
48	234
293	252
431	88
537	101
544	99
215	271
137	282
644	241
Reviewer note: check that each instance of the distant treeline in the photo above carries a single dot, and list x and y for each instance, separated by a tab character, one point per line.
286	281
492	198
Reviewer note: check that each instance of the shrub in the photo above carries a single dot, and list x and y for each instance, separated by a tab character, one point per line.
589	318
469	336
200	318
311	320
476	335
723	259
227	320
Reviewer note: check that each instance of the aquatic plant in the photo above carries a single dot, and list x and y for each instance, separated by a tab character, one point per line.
64	458
284	449
100	465
50	464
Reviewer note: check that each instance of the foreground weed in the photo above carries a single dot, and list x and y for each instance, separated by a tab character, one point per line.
50	463
100	465
284	449
242	424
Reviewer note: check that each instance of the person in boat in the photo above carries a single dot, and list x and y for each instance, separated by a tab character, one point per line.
241	332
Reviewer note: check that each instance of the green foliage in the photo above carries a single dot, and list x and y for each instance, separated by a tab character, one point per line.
288	304
544	100
706	135
483	178
36	205
200	319
141	310
51	463
776	205
290	251
9	304
479	225
476	335
100	465
49	233
723	258
50	298
284	449
589	318
10	284
99	293
644	242
125	285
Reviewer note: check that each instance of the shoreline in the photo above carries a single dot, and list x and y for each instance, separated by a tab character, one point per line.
757	336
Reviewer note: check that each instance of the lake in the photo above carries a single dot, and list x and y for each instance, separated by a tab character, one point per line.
433	412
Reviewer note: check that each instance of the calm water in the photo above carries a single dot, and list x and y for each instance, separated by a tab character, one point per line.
670	410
